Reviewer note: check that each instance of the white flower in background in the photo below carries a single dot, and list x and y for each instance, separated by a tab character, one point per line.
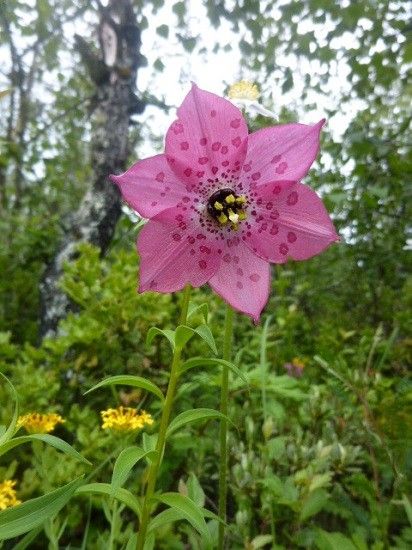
245	95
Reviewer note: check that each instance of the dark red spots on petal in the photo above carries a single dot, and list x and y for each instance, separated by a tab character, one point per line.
235	123
224	150
226	258
199	236
177	127
292	237
203	160
216	146
255	176
237	141
205	249
274	230
200	173
171	160
188	172
184	146
274	215
276	190
283	249
213	113
247	167
225	163
269	205
177	237
191	240
254	277
154	203
203	141
281	168
276	159
239	272
292	198
160	177
202	264
239	285
214	169
186	199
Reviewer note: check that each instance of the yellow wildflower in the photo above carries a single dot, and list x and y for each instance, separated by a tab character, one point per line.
244	90
125	419
40	423
298	363
8	494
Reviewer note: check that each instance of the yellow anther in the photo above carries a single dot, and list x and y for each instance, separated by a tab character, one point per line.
244	90
235	226
242	216
241	199
233	217
222	218
230	199
218	205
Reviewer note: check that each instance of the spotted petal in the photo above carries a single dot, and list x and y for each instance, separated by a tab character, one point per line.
243	279
174	251
284	152
289	220
150	186
209	136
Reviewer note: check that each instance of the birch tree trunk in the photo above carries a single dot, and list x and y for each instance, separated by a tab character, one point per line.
113	70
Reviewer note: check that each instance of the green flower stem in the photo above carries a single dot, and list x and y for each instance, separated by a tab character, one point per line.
164	423
224	398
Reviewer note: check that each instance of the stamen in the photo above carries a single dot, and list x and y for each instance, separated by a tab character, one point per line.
224	206
222	219
234	218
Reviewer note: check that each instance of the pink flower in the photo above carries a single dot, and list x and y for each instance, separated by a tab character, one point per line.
222	204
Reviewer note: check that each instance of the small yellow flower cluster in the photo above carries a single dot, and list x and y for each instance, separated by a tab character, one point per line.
8	494
40	423
243	90
298	363
125	419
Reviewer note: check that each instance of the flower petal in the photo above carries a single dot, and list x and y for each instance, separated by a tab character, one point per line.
174	251
283	152
289	220
243	279
209	137
150	186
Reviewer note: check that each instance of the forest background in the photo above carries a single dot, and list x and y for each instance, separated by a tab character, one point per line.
321	454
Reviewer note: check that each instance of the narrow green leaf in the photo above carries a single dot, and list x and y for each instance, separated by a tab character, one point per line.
168	334
128	458
192	415
195	309
8	434
28	539
129	380
212	362
313	504
20	519
183	335
332	541
192	513
408	507
132	542
120	494
51	440
206	334
167	516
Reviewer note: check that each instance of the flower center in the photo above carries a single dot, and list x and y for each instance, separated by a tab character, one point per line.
225	207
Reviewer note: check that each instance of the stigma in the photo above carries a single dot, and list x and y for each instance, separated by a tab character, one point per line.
227	208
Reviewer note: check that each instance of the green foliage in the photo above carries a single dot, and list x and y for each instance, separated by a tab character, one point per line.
320	461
